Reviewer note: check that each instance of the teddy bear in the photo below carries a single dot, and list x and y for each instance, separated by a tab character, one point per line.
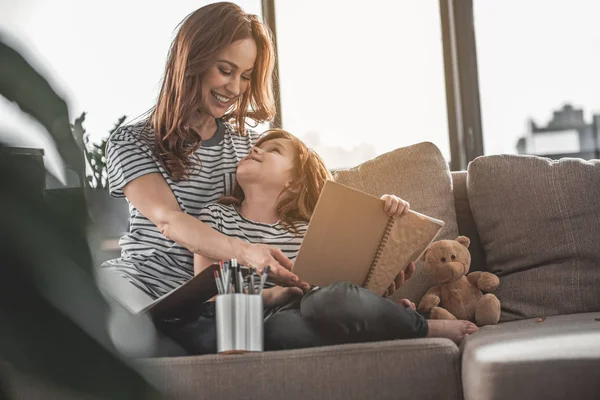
458	295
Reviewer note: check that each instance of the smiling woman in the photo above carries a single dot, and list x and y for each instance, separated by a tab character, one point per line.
218	75
214	71
225	81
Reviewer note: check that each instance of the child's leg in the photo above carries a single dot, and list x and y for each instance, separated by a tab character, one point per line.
354	314
454	330
288	329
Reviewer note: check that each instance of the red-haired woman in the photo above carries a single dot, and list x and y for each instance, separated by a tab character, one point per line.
218	78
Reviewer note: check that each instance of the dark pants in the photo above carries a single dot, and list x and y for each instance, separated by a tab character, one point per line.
341	313
336	314
196	333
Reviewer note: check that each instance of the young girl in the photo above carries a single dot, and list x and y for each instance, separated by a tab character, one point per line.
278	185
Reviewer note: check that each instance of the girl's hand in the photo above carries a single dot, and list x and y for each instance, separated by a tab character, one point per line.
394	205
279	296
406	303
402	277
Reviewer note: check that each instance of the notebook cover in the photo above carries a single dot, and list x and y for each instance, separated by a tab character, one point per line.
193	293
346	234
342	238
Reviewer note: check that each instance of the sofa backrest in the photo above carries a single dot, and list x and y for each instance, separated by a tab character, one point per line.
466	223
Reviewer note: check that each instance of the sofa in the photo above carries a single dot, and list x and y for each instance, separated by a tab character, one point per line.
532	221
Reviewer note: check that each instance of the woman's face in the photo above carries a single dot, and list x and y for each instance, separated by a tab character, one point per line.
271	164
228	78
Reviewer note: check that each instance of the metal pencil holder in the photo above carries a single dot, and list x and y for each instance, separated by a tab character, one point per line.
239	323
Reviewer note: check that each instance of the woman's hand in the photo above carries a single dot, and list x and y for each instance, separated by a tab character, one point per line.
260	256
394	205
279	296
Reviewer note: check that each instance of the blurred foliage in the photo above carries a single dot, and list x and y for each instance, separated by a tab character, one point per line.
52	315
95	154
21	84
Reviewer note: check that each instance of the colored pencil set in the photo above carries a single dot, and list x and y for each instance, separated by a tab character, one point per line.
229	279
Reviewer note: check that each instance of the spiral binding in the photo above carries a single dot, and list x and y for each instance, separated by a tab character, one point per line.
380	248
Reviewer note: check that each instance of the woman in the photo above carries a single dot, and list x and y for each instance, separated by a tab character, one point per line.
218	75
279	184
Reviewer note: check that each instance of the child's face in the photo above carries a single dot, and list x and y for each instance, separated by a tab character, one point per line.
271	164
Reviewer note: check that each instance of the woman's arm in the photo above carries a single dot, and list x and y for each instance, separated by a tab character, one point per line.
151	195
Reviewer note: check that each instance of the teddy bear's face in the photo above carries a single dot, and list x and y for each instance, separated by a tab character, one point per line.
447	260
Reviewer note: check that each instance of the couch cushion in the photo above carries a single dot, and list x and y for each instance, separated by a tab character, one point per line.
401	369
558	358
420	175
538	223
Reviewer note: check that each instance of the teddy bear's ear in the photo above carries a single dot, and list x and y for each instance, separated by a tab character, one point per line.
424	254
465	241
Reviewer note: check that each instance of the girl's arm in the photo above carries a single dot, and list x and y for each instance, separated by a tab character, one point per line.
153	197
201	262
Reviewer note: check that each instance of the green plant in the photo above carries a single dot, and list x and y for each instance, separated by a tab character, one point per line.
95	153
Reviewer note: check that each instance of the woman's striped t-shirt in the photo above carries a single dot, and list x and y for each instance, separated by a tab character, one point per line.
150	261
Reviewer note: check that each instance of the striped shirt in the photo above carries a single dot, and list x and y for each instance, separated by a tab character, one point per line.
226	219
150	261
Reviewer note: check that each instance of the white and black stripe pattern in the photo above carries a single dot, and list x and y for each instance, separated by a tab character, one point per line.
150	261
226	219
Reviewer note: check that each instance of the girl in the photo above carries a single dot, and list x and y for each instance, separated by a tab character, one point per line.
278	185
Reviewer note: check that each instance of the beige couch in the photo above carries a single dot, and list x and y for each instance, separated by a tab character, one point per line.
558	358
537	354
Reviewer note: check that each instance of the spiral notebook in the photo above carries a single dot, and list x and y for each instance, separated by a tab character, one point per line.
351	238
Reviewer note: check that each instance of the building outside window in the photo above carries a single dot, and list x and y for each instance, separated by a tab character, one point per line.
538	64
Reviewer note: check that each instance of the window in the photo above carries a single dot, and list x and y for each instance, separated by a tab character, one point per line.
359	80
538	68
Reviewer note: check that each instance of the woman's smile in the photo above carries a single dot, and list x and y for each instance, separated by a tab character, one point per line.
220	98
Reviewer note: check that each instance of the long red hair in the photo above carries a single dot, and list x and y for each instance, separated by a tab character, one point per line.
201	36
297	202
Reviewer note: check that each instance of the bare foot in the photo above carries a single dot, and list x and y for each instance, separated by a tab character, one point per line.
454	330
